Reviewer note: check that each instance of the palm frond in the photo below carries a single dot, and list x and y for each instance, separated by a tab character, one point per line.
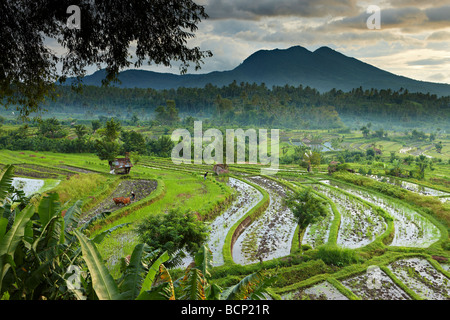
203	261
193	285
252	287
104	234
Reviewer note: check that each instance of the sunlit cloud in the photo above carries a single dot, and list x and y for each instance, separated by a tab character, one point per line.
414	39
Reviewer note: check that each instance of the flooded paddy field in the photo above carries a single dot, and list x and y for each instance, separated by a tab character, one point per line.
321	291
360	224
247	198
411	228
420	276
270	235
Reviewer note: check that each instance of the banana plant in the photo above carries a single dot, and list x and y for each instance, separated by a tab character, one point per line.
195	284
37	246
146	278
252	287
138	275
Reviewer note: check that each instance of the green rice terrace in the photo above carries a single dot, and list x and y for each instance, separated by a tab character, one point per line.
379	238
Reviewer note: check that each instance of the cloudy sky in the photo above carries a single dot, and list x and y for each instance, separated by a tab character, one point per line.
413	41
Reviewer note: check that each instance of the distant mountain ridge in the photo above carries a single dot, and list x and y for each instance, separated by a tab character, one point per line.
322	69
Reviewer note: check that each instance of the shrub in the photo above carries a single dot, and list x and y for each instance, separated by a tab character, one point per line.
177	230
301	272
336	256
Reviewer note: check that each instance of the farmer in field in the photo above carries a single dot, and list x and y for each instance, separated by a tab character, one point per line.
204	176
133	196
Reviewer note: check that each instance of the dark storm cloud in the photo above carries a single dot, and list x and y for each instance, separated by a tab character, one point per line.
254	10
391	17
417	3
441	14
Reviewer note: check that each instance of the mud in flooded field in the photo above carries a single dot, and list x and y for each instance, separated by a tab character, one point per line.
382	288
247	198
270	235
421	277
411	228
360	224
317	234
321	291
141	188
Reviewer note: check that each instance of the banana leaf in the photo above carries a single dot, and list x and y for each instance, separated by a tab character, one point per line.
11	240
48	208
71	218
133	276
6	178
153	270
252	287
203	261
3	224
103	283
193	285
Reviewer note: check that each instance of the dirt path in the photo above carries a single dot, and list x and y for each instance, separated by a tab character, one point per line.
141	188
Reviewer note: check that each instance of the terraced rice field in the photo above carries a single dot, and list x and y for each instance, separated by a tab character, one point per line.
383	288
142	189
419	275
31	186
411	186
360	224
415	274
317	234
28	186
411	228
247	198
321	291
269	236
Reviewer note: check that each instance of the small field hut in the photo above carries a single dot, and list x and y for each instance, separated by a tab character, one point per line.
121	165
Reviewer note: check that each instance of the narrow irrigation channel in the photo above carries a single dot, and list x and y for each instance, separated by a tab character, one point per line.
270	235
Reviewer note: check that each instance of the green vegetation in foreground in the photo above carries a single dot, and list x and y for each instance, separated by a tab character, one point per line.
184	187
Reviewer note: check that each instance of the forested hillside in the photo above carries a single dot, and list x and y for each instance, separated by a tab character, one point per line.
252	104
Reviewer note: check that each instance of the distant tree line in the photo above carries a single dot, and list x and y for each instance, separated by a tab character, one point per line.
253	104
50	135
